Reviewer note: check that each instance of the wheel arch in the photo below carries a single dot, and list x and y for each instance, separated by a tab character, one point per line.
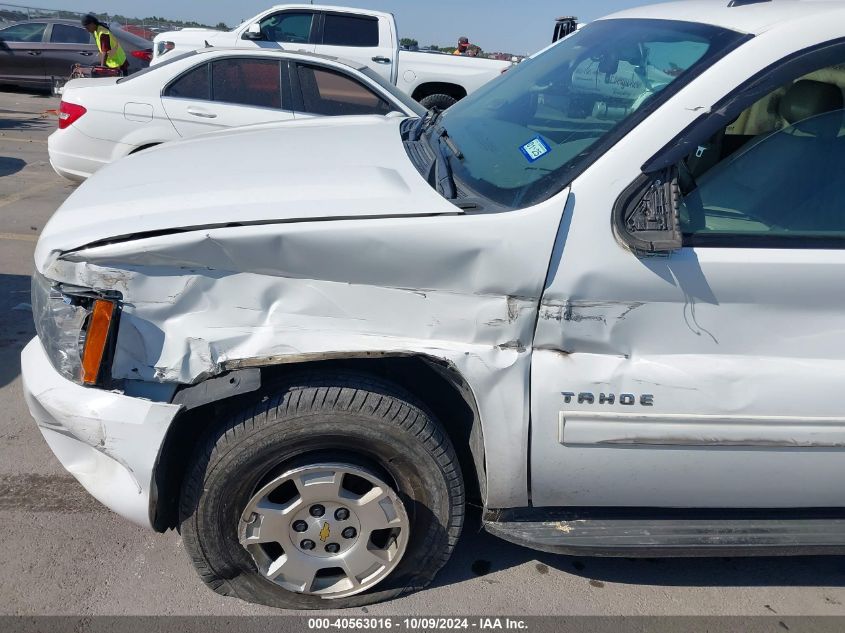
434	382
456	91
119	150
141	148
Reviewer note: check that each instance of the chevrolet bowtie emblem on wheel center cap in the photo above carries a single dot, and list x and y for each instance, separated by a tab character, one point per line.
325	532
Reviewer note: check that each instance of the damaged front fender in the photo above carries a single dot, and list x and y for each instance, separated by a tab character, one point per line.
461	289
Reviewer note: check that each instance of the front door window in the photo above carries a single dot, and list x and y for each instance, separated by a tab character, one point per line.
775	171
288	27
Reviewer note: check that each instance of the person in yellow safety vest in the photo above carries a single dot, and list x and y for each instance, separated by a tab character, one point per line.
111	53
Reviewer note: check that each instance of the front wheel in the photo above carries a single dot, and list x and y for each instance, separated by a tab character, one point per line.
338	492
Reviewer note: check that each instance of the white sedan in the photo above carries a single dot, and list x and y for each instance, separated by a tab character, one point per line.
102	120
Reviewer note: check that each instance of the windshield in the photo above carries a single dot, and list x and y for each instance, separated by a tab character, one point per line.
523	136
397	94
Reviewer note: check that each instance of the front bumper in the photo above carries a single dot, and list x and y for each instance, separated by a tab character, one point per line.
108	441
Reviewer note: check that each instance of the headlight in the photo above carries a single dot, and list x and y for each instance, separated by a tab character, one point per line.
75	327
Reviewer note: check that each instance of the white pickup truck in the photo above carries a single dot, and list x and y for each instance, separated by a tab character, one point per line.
366	37
602	297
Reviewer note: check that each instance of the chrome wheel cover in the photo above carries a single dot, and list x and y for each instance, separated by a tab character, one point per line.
328	530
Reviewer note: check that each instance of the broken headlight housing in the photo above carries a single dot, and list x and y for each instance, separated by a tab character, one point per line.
75	326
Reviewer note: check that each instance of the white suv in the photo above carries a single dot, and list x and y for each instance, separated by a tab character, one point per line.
602	295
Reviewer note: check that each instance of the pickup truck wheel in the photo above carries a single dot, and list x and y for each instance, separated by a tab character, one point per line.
335	493
441	102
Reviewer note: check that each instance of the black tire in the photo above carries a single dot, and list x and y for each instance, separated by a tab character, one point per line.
333	416
441	102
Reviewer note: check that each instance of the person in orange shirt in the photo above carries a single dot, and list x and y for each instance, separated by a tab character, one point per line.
463	46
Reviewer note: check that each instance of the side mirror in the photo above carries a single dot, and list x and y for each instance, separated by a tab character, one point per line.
253	32
646	216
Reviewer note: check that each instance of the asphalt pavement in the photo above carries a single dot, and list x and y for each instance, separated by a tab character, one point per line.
62	553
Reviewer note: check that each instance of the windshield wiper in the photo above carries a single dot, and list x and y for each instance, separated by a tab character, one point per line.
443	177
444	135
428	120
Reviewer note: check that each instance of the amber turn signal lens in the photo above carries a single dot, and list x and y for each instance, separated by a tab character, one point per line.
96	339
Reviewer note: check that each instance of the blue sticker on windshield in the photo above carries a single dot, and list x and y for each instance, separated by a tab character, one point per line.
535	149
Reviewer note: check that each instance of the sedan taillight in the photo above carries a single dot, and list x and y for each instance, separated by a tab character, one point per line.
69	113
144	55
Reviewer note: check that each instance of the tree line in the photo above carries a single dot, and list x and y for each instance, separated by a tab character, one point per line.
16	15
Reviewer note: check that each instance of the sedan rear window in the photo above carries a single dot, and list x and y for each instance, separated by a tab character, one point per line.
194	84
250	82
29	32
151	69
331	93
66	34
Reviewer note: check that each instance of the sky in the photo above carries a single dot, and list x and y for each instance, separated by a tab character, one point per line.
513	26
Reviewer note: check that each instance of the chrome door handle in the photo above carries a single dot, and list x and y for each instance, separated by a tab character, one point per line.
86	53
33	52
381	60
202	113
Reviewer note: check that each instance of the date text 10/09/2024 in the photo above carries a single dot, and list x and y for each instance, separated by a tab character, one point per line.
417	624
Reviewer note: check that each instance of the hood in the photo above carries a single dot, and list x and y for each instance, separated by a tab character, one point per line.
323	168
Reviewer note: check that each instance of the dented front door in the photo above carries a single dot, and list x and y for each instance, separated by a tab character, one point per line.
706	379
709	377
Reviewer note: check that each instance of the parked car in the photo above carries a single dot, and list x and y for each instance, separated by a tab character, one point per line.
618	269
34	53
102	120
367	37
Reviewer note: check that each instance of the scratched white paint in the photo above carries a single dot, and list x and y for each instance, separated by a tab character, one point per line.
107	440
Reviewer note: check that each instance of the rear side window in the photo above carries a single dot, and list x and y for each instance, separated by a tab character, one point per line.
31	32
350	30
157	67
194	84
331	93
250	82
66	34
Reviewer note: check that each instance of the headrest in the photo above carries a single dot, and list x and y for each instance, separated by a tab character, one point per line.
807	98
